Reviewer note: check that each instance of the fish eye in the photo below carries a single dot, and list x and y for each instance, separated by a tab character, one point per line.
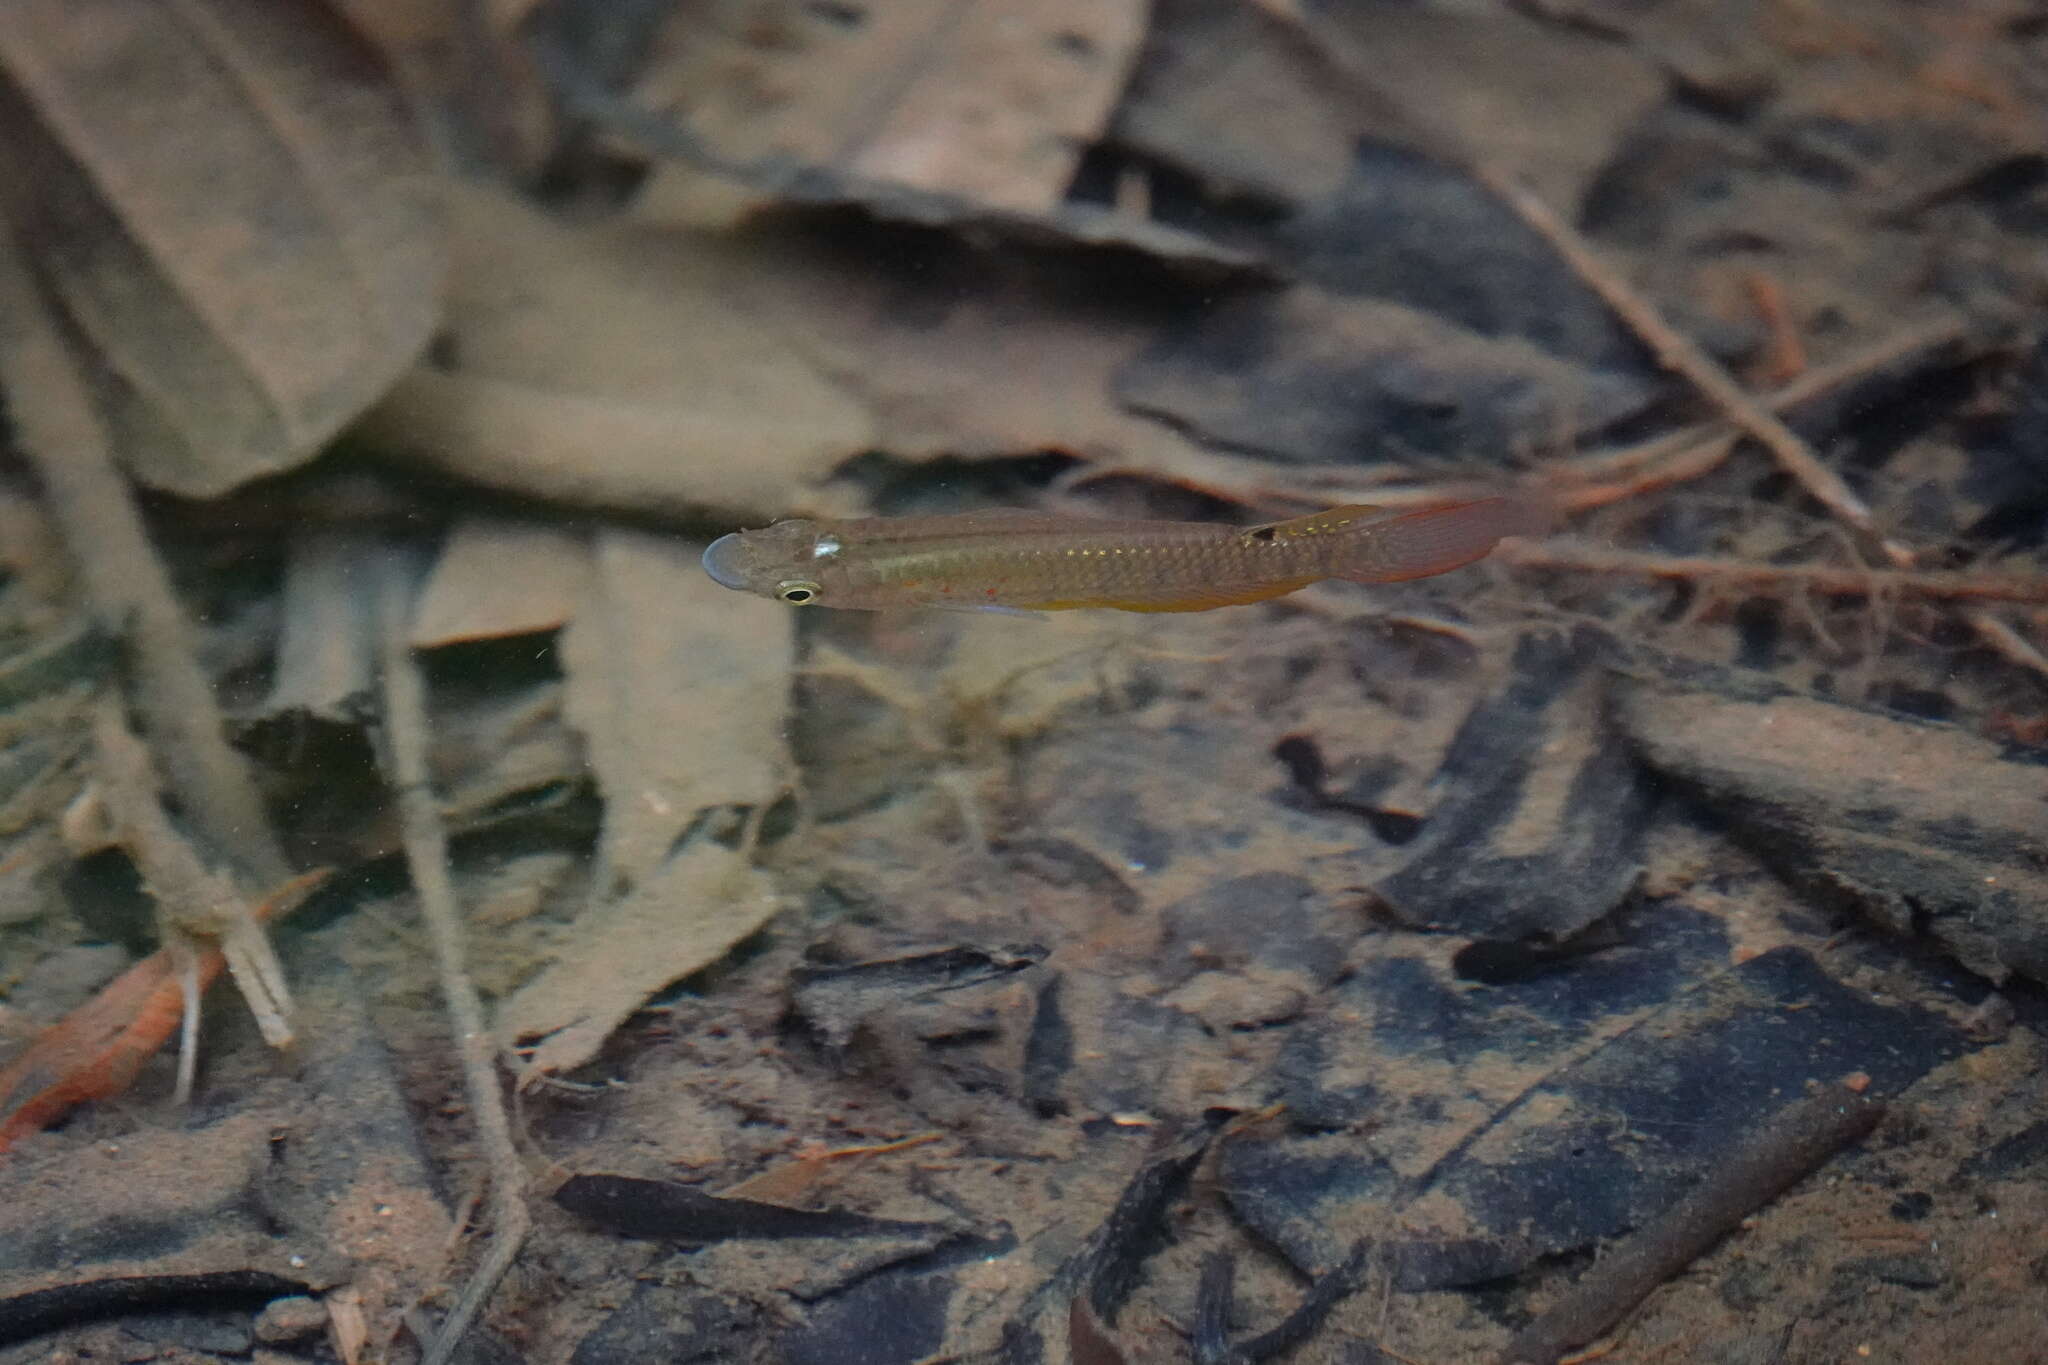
798	592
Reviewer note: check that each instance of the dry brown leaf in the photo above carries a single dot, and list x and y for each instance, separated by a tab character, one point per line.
235	209
1240	96
497	576
326	650
980	360
985	100
683	918
613	367
680	687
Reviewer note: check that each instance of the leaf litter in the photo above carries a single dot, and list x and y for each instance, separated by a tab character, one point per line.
1359	868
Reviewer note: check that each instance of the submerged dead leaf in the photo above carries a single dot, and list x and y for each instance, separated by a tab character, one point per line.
679	686
499	576
985	101
236	211
687	915
614	367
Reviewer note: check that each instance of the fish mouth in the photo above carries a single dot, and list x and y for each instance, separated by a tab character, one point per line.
725	560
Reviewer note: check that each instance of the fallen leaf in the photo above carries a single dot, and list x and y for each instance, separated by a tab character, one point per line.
687	915
237	213
1311	377
326	650
97	1050
986	101
680	688
614	367
498	576
965	354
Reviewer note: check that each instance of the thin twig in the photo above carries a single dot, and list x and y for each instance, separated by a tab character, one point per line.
2006	642
1351	62
1787	1148
58	428
426	855
1680	354
193	901
1837	580
97	1050
1927	339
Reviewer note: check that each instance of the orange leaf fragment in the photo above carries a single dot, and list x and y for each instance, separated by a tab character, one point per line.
98	1049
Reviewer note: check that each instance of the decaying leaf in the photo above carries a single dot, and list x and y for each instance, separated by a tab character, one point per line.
614	367
985	101
497	576
236	211
679	689
685	916
959	353
1246	100
326	648
1310	377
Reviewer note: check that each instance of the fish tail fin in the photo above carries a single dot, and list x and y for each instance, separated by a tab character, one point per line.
1435	540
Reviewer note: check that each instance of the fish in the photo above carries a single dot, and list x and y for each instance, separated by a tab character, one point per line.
1011	560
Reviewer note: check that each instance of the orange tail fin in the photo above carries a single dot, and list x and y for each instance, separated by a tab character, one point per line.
1436	540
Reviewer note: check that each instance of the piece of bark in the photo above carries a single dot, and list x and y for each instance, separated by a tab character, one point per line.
663	1210
1539	811
1924	827
234	206
835	1000
1601	1142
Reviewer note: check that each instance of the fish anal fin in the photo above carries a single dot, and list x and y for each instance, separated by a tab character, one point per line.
1201	600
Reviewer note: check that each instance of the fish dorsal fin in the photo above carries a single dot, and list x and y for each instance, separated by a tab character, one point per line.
1316	523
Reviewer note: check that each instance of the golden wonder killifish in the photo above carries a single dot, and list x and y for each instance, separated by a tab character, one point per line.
1033	561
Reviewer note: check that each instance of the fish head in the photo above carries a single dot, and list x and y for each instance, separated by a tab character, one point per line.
782	561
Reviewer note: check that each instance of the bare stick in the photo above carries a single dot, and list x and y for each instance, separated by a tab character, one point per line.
1791	1145
1343	57
193	901
1924	340
1680	354
1844	581
58	428
1595	479
426	855
2006	642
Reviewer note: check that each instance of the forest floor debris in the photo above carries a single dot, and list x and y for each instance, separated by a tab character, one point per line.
1365	976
